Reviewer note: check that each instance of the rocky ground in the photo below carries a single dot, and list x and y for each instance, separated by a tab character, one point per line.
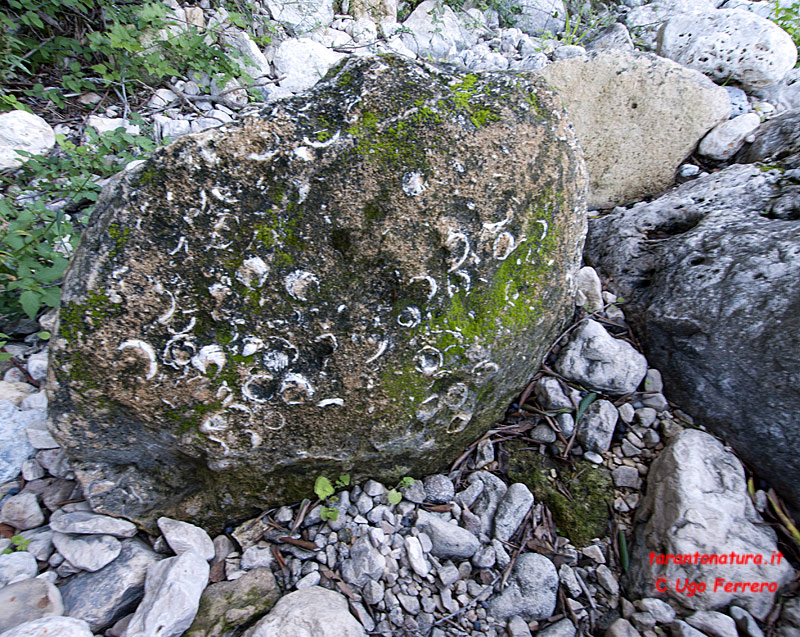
528	532
471	551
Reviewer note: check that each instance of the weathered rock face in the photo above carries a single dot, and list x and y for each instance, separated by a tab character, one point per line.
697	502
354	280
776	141
637	117
711	273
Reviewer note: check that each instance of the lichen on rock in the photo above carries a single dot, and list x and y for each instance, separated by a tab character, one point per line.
354	280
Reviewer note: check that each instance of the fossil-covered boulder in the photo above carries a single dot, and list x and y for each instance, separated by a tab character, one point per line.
354	280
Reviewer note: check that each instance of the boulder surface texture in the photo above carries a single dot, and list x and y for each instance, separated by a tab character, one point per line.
697	503
711	272
354	280
637	117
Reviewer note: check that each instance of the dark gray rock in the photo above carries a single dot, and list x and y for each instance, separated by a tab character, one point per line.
777	141
337	281
103	597
709	270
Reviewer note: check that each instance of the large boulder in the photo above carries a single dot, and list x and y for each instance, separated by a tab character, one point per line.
711	276
699	533
356	280
637	117
730	44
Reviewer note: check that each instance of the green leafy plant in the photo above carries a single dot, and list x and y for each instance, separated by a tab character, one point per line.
787	17
40	224
394	496
324	490
18	543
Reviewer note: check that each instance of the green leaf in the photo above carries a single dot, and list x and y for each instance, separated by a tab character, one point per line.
44	335
394	496
584	404
343	481
30	301
405	482
323	488
329	513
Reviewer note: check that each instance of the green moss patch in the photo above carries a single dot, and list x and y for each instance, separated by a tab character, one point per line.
578	495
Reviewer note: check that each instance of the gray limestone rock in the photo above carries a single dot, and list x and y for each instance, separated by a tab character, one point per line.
601	362
87	552
22	511
439	489
312	611
562	628
172	593
17	566
55	626
301	16
596	428
697	502
551	395
14	446
709	269
486	505
745	622
86	522
637	117
27	600
365	562
729	44
324	258
776	141
103	597
225	606
713	623
531	592
621	628
512	509
182	537
450	541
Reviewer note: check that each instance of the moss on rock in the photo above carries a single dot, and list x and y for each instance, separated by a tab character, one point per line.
578	494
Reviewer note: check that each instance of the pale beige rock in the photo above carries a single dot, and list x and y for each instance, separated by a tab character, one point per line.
20	130
376	10
311	612
637	117
727	138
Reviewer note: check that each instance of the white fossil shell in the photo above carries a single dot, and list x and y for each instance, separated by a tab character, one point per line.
456	396
252	272
279	355
430	281
179	351
428	360
259	388
251	345
413	184
207	356
216	422
381	349
274	421
458	422
295	389
458	244
410	316
428	408
299	283
255	438
330	401
219	291
503	246
146	351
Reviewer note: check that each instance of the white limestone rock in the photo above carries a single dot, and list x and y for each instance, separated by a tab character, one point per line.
697	502
87	552
172	593
637	117
27	600
311	612
725	139
537	16
730	44
600	362
20	130
182	537
646	20
301	16
50	627
303	62
436	31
